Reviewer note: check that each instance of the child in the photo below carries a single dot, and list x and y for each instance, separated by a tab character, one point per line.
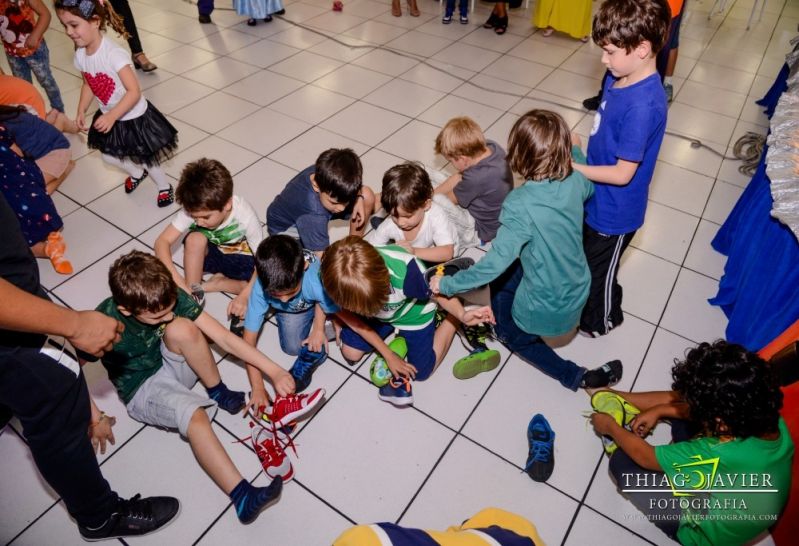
332	188
24	23
257	9
570	16
415	222
536	260
129	131
161	355
462	8
625	140
481	184
41	142
731	400
22	184
288	281
386	287
223	233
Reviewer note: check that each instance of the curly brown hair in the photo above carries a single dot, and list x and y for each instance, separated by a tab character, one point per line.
627	23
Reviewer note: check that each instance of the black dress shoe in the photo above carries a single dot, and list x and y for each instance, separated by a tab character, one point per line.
205	19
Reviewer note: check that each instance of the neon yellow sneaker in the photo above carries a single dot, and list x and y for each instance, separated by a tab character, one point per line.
617	407
378	370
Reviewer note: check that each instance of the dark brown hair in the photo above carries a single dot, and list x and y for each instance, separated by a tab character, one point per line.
539	146
355	276
461	136
204	184
339	173
405	186
627	23
141	283
103	11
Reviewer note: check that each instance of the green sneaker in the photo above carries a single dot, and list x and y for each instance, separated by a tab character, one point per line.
378	370
475	363
617	407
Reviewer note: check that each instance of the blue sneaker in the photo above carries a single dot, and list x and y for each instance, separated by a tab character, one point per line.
397	392
541	460
304	367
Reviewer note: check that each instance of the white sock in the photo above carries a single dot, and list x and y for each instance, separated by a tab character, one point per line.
667	80
129	167
159	177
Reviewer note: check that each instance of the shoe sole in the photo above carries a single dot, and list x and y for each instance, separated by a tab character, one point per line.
288	418
477	363
166	524
399	402
286	477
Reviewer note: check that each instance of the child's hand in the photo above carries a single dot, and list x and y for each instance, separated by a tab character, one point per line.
32	42
237	306
399	367
358	217
603	423
80	121
283	383
645	421
316	340
406	245
104	123
435	281
476	316
258	400
101	432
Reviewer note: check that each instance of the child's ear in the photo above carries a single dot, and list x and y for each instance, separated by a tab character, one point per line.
644	49
428	204
124	311
228	206
314	185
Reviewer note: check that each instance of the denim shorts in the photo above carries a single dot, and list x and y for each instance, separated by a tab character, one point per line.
238	267
166	399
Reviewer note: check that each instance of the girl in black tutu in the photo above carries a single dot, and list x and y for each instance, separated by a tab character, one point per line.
130	132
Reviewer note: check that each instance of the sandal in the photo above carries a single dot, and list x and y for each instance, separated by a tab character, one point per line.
396	10
501	26
141	62
166	197
492	21
413	9
549	31
607	374
251	22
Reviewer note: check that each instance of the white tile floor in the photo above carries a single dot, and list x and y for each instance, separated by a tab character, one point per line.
266	100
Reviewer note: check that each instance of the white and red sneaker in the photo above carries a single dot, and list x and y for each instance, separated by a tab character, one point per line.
285	409
269	444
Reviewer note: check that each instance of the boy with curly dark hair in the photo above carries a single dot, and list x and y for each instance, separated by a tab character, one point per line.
726	476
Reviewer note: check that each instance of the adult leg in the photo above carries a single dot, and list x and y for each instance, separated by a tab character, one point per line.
602	311
530	347
122	7
52	403
292	329
39	63
205	7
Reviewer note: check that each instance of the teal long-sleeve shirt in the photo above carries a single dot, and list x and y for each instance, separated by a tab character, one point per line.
541	223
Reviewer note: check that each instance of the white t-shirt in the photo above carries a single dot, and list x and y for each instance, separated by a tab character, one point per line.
101	72
436	230
241	233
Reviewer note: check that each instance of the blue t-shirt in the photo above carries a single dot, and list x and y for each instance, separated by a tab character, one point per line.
629	124
311	293
299	206
36	138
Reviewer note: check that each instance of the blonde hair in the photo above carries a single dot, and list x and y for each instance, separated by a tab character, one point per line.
355	276
461	136
539	146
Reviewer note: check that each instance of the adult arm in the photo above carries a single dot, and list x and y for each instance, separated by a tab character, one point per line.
88	331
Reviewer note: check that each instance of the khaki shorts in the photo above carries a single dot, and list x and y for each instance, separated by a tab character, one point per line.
166	399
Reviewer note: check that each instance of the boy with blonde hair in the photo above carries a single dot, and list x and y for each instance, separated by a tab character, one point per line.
473	196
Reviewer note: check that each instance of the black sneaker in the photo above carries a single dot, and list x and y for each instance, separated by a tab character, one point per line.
541	458
606	375
134	517
237	325
204	19
591	103
448	268
477	335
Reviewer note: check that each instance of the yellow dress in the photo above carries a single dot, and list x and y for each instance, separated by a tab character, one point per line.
570	16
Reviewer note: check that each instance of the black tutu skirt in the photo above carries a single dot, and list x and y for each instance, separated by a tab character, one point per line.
147	140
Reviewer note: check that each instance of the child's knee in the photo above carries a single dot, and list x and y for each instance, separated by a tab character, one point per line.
181	331
199	421
195	241
351	354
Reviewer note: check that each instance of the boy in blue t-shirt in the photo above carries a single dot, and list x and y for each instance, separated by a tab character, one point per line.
330	189
288	281
625	140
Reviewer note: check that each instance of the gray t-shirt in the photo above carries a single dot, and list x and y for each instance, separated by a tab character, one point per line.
483	189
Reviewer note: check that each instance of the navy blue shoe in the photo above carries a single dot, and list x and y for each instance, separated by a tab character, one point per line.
397	392
304	367
541	460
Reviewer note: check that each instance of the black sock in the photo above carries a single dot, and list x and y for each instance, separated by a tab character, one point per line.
249	500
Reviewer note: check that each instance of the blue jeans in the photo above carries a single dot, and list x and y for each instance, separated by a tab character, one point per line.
293	328
39	64
530	347
205	7
463	6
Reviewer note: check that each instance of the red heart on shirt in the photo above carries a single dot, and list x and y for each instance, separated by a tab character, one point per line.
102	85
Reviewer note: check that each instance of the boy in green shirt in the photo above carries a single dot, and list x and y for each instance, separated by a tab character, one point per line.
724	485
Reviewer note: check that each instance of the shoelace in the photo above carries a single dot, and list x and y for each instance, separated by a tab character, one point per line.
401	382
135	508
539	452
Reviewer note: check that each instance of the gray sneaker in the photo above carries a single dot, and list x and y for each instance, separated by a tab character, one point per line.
669	89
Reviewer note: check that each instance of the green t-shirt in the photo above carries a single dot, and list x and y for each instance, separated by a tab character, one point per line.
137	356
748	487
409	306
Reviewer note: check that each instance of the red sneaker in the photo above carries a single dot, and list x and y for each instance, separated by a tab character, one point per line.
269	444
338	5
286	409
